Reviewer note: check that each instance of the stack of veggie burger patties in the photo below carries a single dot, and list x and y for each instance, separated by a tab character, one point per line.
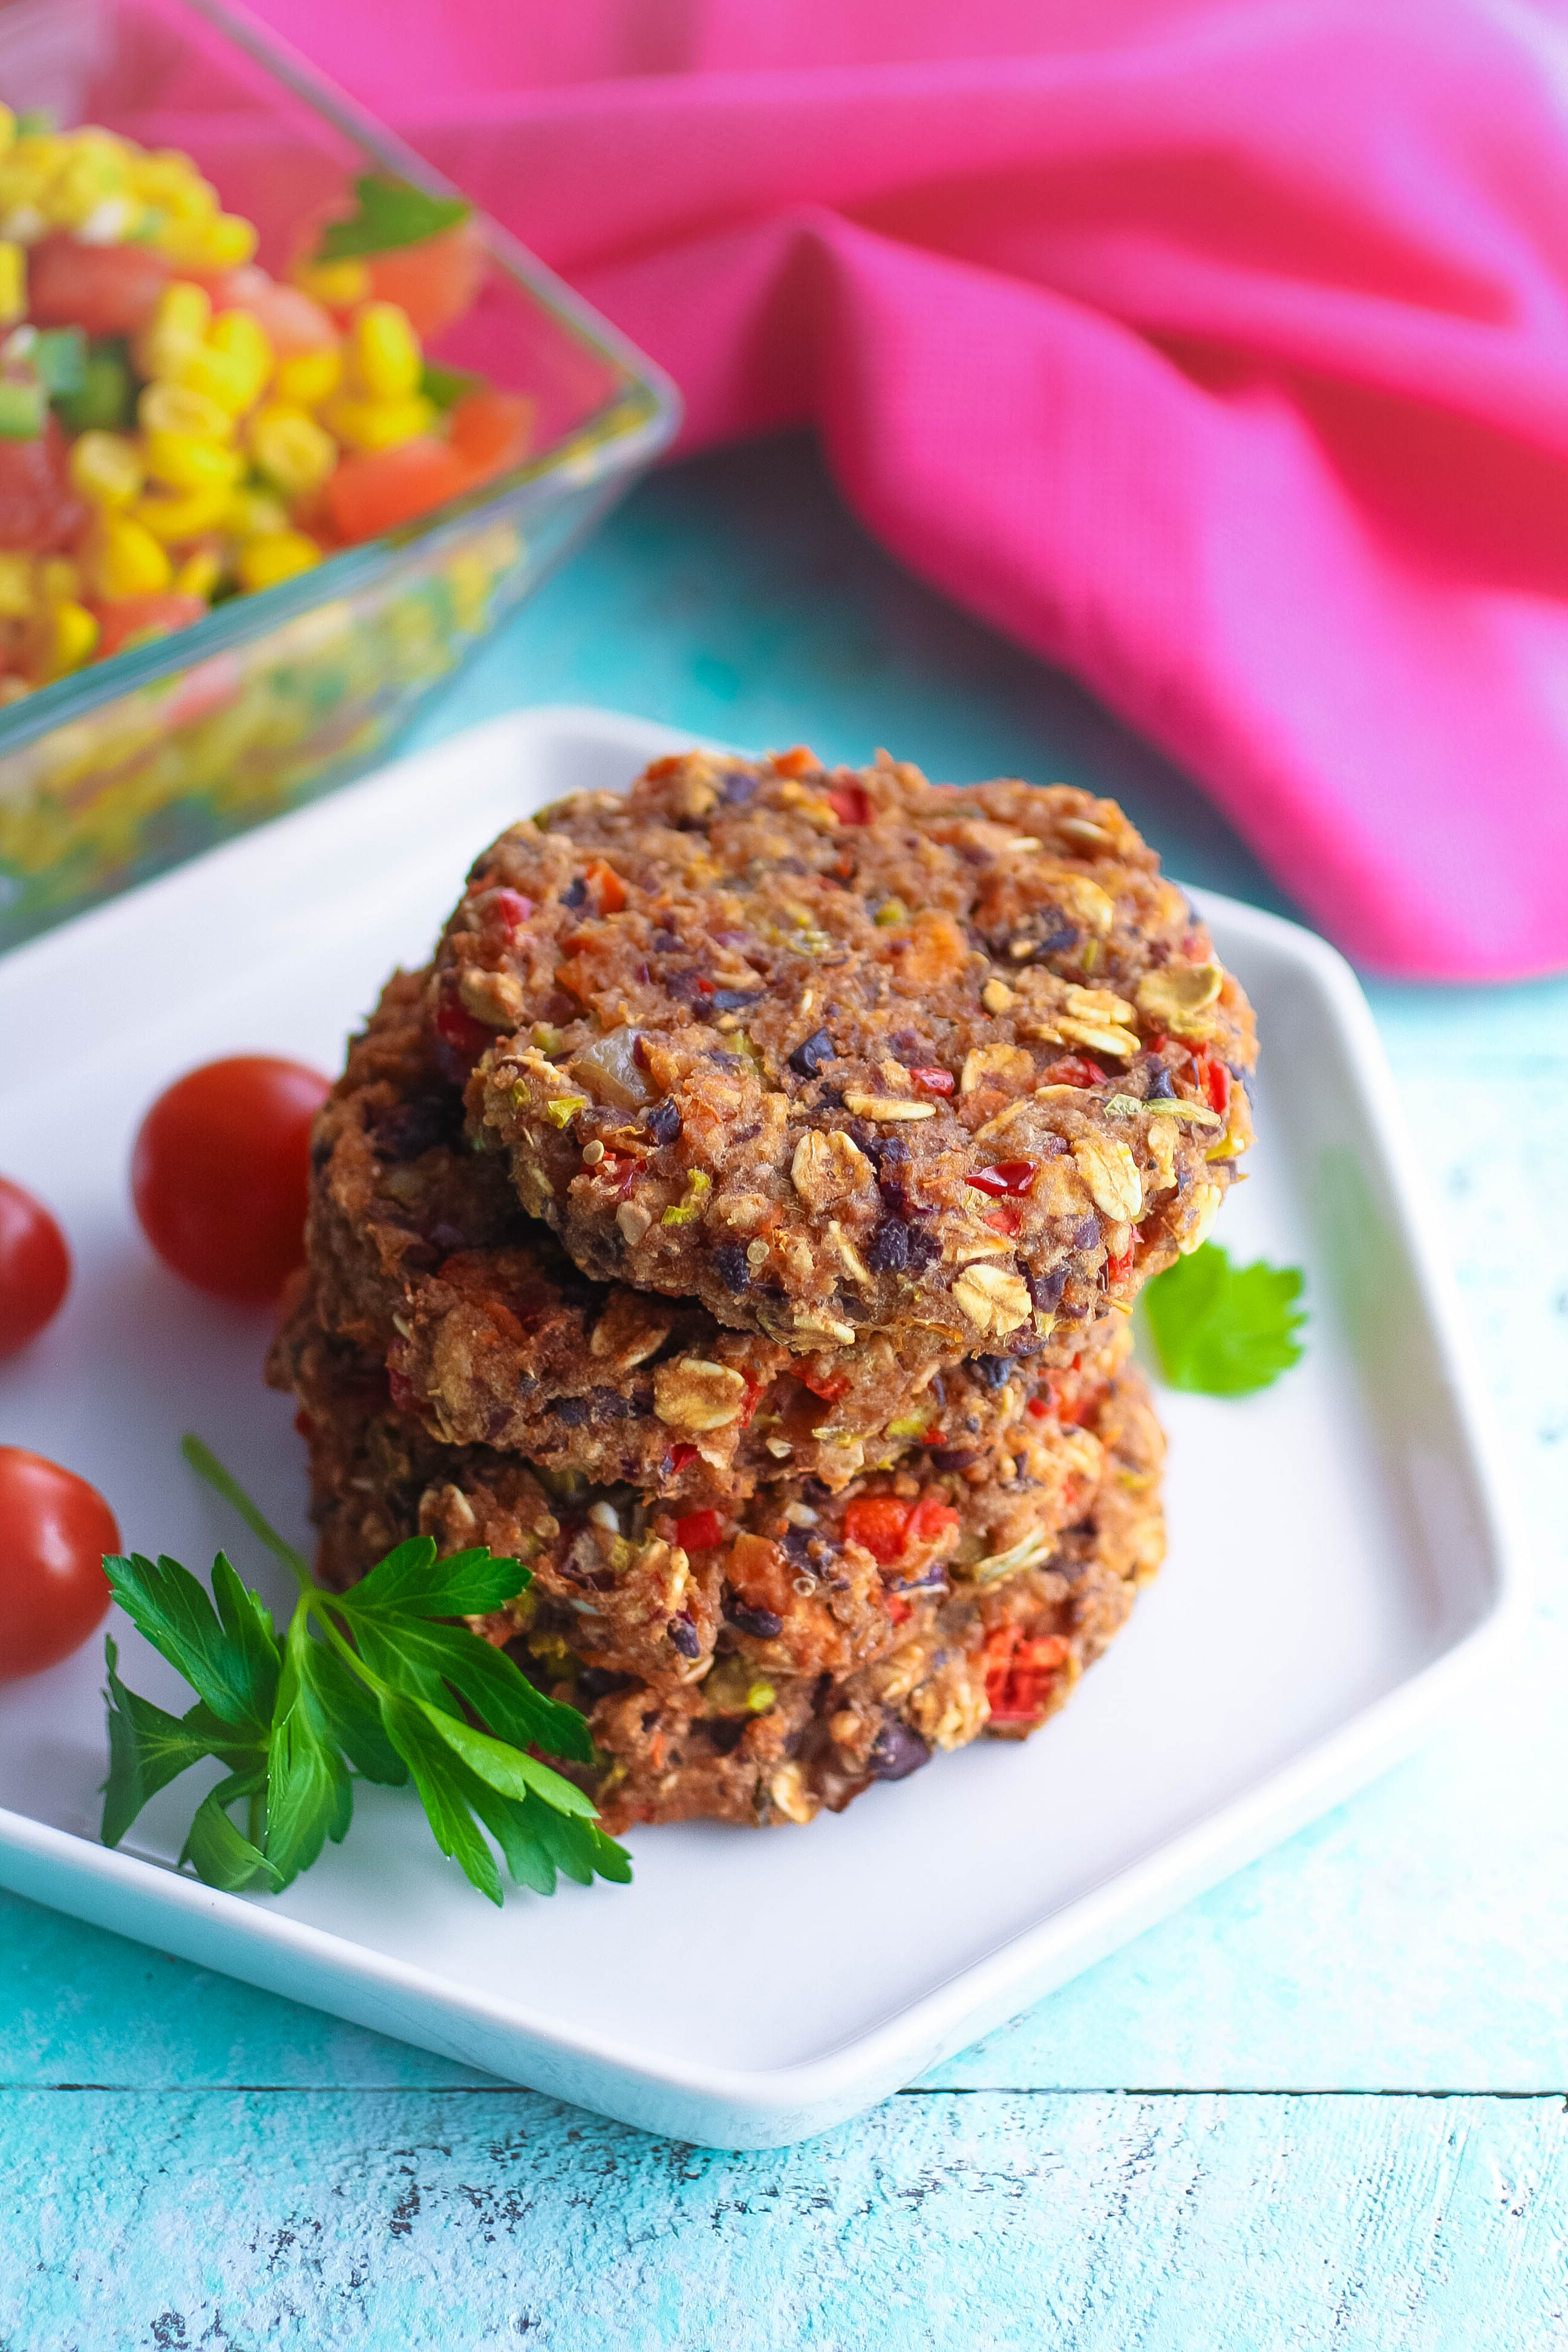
738	1221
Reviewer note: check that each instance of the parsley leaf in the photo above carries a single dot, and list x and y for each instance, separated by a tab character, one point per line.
375	1683
391	213
1224	1330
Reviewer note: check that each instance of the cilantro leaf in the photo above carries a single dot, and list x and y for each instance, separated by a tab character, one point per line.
230	1656
411	1581
391	213
1224	1330
375	1681
147	1749
216	1850
441	1793
422	1657
445	387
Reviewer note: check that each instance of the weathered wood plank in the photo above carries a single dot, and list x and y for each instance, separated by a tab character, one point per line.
1087	2222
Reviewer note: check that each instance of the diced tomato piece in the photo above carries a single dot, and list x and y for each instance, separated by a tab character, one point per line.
375	491
491	430
1038	1408
460	1039
434	281
40	513
829	1391
404	1395
699	1530
1074	1070
899	1611
136	616
609	891
749	1403
1010	1179
930	1520
797	761
1006	1219
1117	1269
290	321
1020	1671
881	1523
680	1456
511	910
850	804
105	290
932	1081
1215	1079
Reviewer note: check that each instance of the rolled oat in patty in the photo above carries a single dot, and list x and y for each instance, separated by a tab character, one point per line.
421	1257
844	1053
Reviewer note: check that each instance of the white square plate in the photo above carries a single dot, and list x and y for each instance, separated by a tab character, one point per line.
1340	1566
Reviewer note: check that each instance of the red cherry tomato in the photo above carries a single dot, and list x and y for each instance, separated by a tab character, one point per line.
367	495
220	1173
34	1267
54	1531
290	322
105	290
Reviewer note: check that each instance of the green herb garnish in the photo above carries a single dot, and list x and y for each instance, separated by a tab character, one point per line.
59	356
23	408
445	387
392	213
370	1681
1224	1330
105	394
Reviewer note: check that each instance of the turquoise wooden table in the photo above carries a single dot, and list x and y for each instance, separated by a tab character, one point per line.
1323	2105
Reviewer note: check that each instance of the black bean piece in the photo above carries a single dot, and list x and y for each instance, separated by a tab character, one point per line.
759	1623
738	788
577	890
953	1457
608	1404
1086	1236
897	1752
994	1370
1162	1085
797	1542
664	942
730	1259
663	1121
732	1000
598	1682
924	1247
808	1057
684	1635
888	1250
1046	1289
420	1123
573	1411
725	1733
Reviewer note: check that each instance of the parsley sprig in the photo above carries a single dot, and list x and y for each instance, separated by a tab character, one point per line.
1223	1330
374	1681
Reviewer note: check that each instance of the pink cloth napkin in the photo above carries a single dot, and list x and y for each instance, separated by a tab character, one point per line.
1218	352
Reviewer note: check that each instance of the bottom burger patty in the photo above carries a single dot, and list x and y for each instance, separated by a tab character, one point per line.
709	1703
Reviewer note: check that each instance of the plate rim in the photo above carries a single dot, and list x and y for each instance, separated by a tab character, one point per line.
732	2106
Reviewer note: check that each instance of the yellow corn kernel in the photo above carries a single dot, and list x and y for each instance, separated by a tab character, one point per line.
185	515
279	556
7	127
199	575
13	282
106	468
164	176
16	586
378	423
183	309
187	197
230	240
59	580
253	514
292	449
70	636
226	377
339	284
243	339
309	377
183	461
125	560
93	173
176	408
386	355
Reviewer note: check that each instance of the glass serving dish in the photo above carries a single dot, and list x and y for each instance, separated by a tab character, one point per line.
122	769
